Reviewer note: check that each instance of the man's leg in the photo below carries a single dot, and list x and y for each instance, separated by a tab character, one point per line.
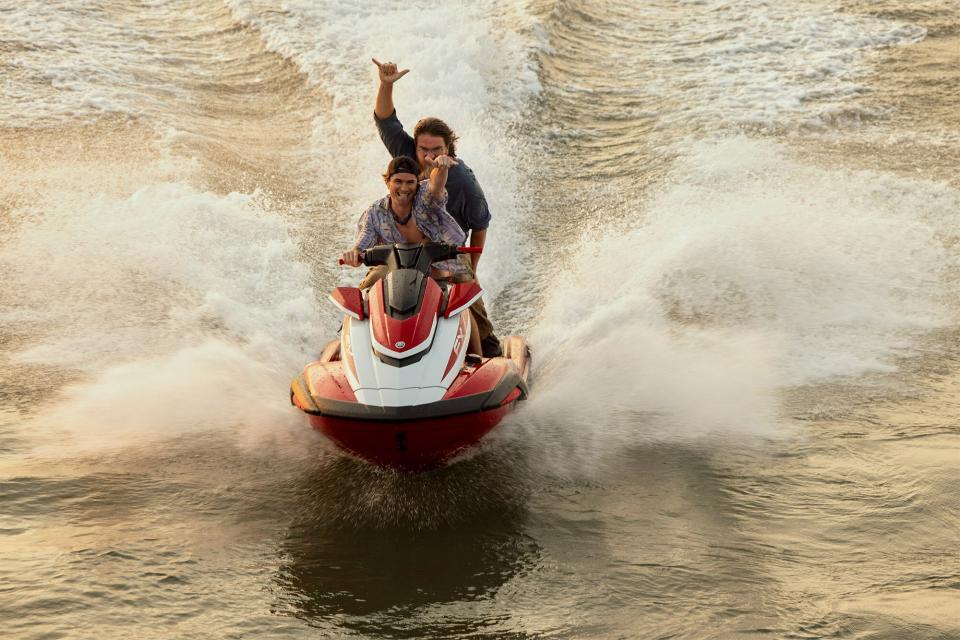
475	346
489	342
484	326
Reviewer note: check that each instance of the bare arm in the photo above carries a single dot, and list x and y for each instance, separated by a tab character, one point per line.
388	75
438	176
478	237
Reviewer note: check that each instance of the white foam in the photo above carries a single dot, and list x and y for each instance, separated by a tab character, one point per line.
166	267
212	386
748	273
182	310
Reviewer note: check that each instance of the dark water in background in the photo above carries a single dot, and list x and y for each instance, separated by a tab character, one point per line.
747	212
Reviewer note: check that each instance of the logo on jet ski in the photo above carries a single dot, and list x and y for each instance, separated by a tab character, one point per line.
460	336
399	344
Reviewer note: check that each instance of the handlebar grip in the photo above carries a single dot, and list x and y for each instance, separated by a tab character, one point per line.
469	249
363	258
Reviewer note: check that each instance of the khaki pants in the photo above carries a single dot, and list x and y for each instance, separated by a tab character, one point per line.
484	326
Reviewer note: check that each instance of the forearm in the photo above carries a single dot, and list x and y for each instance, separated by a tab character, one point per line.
384	106
478	237
438	182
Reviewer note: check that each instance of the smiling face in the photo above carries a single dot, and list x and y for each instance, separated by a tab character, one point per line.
429	147
402	187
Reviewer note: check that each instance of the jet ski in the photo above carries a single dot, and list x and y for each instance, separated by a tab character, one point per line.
398	388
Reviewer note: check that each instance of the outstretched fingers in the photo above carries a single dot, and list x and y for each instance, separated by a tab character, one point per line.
388	71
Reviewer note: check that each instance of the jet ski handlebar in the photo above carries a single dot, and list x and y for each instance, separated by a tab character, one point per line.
407	255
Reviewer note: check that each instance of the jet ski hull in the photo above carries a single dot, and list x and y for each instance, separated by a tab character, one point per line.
412	445
413	437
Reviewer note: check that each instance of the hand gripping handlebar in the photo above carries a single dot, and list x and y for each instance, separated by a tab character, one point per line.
459	250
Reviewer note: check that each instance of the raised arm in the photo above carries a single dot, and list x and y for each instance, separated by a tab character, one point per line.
388	75
438	176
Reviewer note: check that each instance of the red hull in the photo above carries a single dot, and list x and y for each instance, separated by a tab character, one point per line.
410	445
412	437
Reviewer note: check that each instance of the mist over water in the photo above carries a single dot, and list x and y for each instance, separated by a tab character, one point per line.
729	232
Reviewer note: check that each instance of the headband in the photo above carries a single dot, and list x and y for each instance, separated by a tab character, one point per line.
402	165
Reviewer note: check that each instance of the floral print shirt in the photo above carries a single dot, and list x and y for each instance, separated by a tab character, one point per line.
377	225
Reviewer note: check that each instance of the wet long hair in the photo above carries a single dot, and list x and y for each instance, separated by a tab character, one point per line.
437	127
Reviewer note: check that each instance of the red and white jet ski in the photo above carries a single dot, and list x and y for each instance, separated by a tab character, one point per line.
397	388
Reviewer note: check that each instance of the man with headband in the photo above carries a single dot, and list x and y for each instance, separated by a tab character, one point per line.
431	138
413	211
